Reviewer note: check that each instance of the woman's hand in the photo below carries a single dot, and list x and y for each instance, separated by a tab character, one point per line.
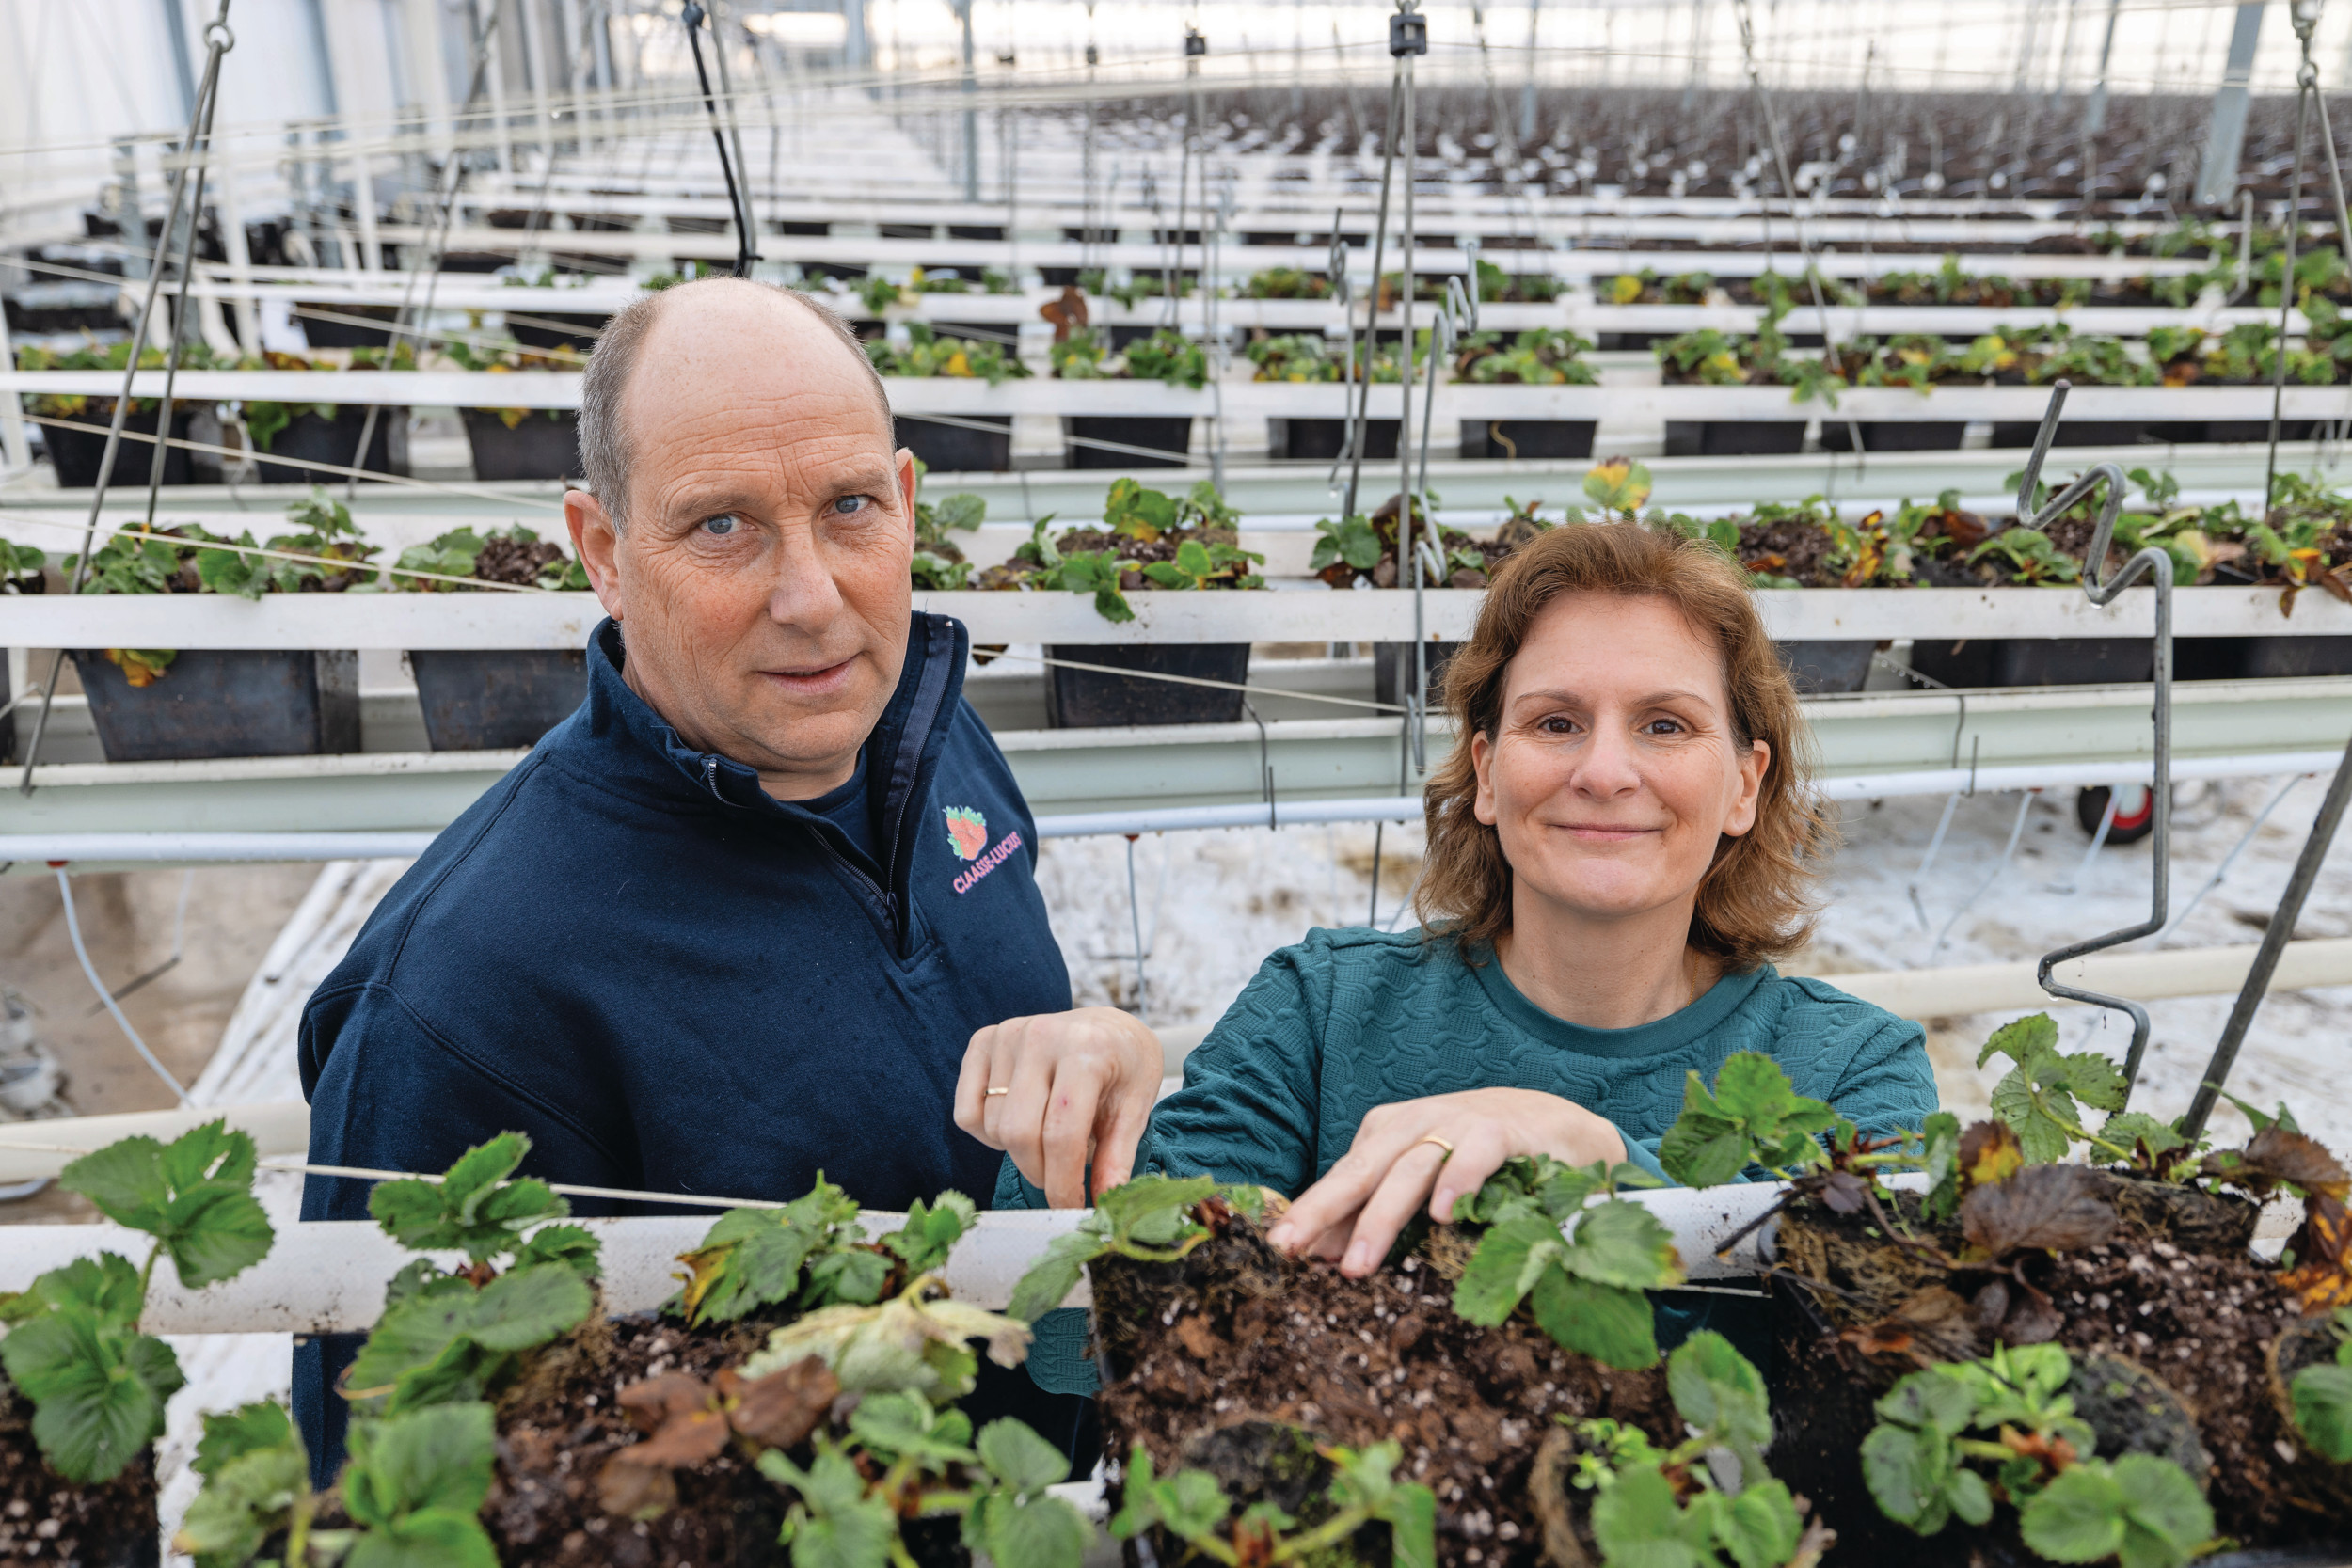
1354	1213
1060	1091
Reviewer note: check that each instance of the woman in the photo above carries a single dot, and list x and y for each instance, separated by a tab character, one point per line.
1615	857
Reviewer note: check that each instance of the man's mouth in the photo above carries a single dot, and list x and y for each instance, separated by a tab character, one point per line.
815	681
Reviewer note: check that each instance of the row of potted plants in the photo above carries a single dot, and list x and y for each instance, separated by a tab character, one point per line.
2054	1344
508	444
154	705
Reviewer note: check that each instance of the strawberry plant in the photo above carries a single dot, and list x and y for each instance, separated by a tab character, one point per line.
811	1253
1151	1219
2322	1396
1653	1505
1580	1267
73	1348
447	1338
2042	1096
927	354
1752	1116
413	1489
1191	1507
1539	357
2142	1509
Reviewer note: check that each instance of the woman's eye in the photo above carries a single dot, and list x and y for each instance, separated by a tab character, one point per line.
722	524
1663	726
1556	725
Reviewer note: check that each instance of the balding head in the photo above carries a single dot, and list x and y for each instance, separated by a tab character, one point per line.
764	315
761	582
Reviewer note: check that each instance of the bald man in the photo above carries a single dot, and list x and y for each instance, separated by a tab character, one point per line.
736	920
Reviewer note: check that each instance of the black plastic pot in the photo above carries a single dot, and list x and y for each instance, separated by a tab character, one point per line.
226	703
2036	661
1320	440
1086	699
2213	432
1814	668
2071	433
956	449
1393	672
537	447
576	331
498	699
2221	659
337	334
76	454
1893	434
336	440
1513	439
1169	435
1734	437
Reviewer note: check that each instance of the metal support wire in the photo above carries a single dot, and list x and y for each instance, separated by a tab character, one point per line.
218	40
73	930
2275	938
1458	312
1359	420
746	250
1796	216
2156	566
2221	871
2306	88
1344	295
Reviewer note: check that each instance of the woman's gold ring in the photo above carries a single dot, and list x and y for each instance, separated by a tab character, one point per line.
1445	1149
994	1093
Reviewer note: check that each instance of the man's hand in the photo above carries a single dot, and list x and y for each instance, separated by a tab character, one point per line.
1060	1091
1355	1213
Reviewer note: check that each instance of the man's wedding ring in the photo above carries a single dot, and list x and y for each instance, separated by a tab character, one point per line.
994	1093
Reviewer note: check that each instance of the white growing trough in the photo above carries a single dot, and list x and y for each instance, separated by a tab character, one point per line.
328	1277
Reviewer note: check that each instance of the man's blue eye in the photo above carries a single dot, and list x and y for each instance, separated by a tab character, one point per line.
847	505
722	524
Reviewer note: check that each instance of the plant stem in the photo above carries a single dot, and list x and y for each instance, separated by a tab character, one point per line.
1330	1532
146	1273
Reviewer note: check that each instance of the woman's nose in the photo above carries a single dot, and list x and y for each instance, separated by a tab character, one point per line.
1606	765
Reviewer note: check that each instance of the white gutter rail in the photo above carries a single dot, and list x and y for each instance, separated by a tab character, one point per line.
328	1277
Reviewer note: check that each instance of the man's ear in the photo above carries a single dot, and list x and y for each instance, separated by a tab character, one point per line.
908	483
598	544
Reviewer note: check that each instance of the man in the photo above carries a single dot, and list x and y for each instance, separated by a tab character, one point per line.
733	922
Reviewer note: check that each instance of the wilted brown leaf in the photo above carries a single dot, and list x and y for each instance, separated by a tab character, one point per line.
1936	1324
2059	1208
632	1491
2320	1279
1989	1152
1844	1192
782	1408
652	1401
2279	1155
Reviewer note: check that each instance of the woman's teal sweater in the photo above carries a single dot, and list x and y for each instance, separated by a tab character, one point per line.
1353	1018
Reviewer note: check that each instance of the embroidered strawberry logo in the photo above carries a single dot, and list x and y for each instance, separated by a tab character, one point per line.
969	830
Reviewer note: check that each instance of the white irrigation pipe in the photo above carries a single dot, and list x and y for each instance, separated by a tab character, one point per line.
328	1276
235	846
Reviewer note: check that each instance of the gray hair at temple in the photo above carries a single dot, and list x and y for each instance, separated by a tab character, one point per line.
604	449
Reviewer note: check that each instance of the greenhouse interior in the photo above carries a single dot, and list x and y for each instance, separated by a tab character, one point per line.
1511	717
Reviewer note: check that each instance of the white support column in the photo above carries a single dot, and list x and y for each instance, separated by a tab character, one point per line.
2225	138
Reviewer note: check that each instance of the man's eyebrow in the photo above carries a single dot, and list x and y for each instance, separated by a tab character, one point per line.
879	482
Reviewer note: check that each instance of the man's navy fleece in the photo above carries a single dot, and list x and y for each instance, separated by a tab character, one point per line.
675	983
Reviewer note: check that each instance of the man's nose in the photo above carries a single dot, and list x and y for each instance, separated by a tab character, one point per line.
804	594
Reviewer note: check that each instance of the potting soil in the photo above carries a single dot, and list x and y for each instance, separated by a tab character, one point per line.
46	1518
2174	1292
562	1420
516	560
1238	1336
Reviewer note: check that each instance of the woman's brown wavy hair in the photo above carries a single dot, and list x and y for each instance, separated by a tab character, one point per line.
1757	902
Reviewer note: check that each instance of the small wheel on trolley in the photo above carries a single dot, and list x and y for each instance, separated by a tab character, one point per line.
2134	812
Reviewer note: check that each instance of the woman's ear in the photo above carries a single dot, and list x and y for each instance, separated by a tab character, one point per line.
1753	767
1482	759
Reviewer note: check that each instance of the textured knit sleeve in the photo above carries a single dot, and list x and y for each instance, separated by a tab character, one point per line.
1889	1086
1248	1108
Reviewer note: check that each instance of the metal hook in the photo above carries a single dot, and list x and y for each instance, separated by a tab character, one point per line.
2156	566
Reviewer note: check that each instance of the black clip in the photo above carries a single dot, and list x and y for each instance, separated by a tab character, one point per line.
1196	43
1408	34
1094	55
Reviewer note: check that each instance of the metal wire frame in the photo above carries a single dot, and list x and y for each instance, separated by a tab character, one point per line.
218	40
2153	563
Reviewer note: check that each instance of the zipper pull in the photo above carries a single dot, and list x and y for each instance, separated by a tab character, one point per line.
711	777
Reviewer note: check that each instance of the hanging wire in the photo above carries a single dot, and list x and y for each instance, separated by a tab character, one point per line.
74	930
218	40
